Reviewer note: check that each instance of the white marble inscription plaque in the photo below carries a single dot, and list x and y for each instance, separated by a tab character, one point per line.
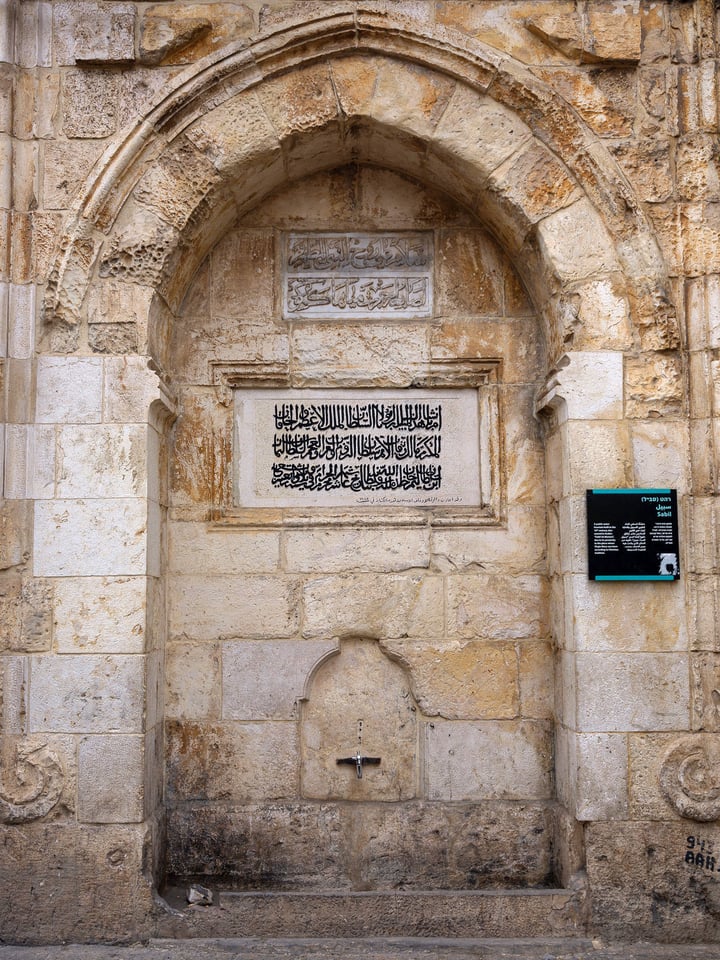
334	448
336	275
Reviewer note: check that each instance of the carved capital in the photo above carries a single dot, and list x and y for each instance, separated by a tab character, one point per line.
690	777
31	783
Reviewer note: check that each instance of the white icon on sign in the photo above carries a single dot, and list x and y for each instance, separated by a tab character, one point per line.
668	564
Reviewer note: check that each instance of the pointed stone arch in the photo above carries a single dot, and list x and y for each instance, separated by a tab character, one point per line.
430	103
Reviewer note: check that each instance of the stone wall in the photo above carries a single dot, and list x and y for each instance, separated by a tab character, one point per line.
163	648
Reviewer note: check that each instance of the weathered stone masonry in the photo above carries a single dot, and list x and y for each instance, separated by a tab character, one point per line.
181	669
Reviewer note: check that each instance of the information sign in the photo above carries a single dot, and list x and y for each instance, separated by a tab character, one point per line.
632	535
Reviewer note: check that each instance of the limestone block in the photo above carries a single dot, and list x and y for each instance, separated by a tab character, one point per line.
201	464
515	341
410	98
340	551
15	533
355	79
499	760
628	616
303	100
129	388
86	694
705	691
469	274
496	607
111	779
524	460
647	166
531	184
163	36
243	275
67	164
100	614
111	302
700	223
712	308
702	525
193	677
601	786
21	326
596	316
458	680
236	134
177	183
632	691
604	98
154	696
576	242
80	864
653	386
447	846
516	548
647	752
89	104
242	843
698	167
235	762
264	679
566	689
102	460
241	606
368	605
69	390
598	455
358	354
613	33
572	534
138	248
565	769
536	666
87	32
180	32
591	384
474	129
139	89
34	34
661	454
25	614
90	538
194	547
29	462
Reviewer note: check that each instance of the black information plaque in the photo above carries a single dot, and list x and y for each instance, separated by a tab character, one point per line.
632	535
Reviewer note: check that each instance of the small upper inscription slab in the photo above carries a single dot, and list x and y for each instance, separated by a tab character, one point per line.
357	275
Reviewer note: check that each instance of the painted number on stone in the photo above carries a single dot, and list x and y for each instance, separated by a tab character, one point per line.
699	853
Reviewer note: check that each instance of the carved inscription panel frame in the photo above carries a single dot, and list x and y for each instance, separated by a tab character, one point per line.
481	376
357	275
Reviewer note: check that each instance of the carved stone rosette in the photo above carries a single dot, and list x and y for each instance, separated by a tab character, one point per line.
690	777
37	781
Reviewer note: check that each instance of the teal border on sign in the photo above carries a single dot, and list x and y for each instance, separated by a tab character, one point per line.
656	576
633	490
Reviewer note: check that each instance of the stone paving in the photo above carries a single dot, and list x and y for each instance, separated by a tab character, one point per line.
366	949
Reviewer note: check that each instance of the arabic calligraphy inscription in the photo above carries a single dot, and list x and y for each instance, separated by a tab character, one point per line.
380	275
